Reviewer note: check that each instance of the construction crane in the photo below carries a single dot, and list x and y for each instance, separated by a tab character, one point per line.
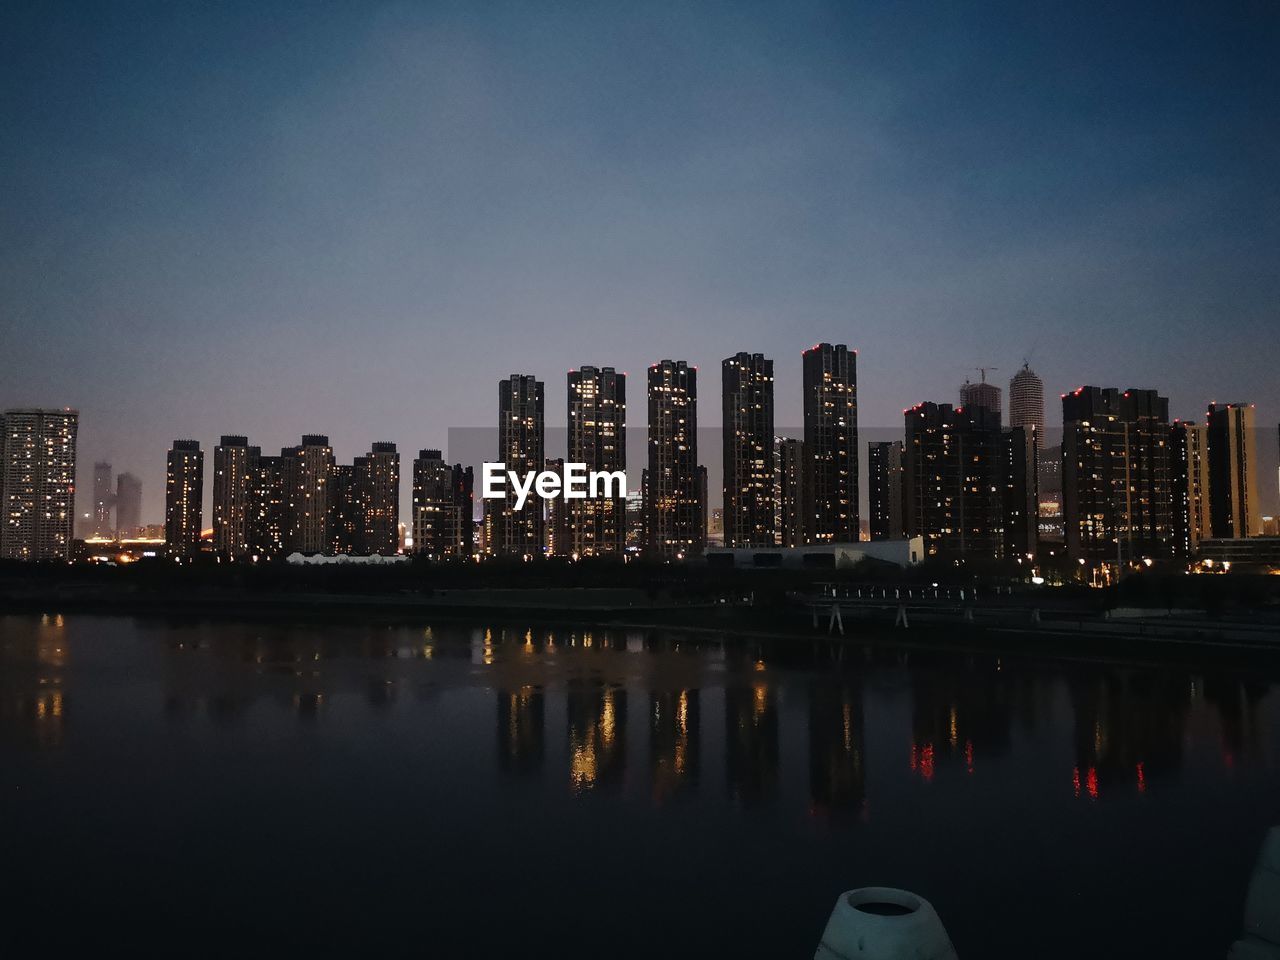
983	371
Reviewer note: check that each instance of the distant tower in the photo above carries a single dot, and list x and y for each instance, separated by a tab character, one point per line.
183	494
831	442
674	496
747	380
1234	510
1189	465
1117	495
442	504
128	505
38	483
790	491
308	472
233	466
1026	400
598	438
103	499
522	447
885	483
378	479
983	394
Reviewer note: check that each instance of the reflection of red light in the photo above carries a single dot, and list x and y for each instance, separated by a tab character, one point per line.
1075	779
913	756
1091	783
1142	780
926	761
968	754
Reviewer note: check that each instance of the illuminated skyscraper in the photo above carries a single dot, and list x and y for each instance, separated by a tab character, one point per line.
790	491
378	476
1021	499
831	442
1189	466
128	505
268	521
885	484
522	447
598	438
676	523
1117	496
1234	508
1026	400
183	498
953	463
308	470
233	465
747	429
104	498
38	483
442	507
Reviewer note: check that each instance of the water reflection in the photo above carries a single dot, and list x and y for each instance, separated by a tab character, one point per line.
1129	731
1105	730
837	784
597	716
751	741
675	742
521	741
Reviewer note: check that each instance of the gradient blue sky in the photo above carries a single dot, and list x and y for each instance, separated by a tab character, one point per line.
354	218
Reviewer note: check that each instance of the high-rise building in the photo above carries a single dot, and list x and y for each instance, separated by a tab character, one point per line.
1026	400
442	507
831	442
233	466
522	447
790	491
1026	409
983	394
184	498
747	380
675	501
1234	507
379	479
1189	477
346	508
598	438
557	527
268	521
1117	497
1021	492
885	483
38	483
104	499
308	469
128	505
953	465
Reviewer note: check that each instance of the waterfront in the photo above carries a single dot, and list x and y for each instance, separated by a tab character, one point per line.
460	790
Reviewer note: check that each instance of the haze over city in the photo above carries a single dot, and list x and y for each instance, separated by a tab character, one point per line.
274	219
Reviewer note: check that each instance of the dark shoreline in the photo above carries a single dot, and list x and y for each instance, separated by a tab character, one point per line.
780	627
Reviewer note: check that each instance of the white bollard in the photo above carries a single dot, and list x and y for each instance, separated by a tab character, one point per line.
881	923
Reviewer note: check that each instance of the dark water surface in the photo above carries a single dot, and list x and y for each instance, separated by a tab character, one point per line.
244	788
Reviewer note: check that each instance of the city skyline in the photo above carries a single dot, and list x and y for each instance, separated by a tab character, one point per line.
558	442
1091	192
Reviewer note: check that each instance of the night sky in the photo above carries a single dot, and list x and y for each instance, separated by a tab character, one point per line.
354	218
